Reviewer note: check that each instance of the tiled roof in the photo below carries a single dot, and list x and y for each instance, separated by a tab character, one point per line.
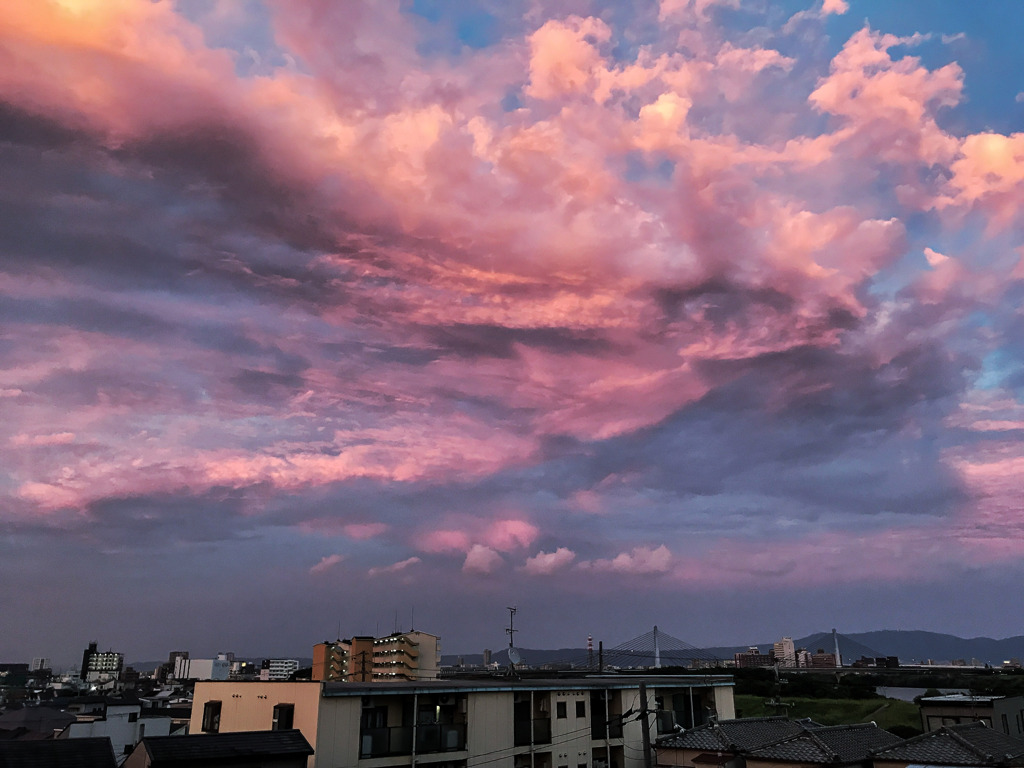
968	744
742	734
170	750
57	753
831	744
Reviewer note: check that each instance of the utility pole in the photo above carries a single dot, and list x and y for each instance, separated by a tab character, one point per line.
645	724
362	666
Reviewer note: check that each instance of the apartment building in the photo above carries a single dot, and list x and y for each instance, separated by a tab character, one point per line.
399	657
586	722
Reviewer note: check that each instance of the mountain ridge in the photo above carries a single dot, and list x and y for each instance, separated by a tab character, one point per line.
910	645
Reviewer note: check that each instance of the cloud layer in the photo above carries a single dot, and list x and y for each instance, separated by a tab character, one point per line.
586	300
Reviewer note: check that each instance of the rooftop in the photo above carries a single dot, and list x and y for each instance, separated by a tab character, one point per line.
967	744
169	750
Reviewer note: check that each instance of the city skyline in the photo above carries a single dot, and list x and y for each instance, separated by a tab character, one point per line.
697	313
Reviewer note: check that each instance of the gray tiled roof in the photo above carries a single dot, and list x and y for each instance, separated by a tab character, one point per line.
57	753
742	734
830	744
169	750
968	744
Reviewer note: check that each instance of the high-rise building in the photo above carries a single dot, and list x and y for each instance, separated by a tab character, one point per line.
97	664
39	663
785	652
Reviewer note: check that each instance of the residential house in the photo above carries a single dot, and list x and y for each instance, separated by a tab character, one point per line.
1003	713
968	745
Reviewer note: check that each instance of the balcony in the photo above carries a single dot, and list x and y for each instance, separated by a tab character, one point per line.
541	732
612	729
385	742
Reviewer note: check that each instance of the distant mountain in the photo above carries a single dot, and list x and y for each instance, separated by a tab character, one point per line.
916	645
911	646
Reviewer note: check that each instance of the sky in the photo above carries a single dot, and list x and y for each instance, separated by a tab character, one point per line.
327	318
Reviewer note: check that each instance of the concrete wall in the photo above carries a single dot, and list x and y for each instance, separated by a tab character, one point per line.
249	706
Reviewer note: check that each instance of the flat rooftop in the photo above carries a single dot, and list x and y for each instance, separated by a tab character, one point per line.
499	684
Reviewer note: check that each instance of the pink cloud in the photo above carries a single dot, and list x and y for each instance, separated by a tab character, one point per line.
444	541
326	563
395	567
837	7
482	560
56	438
546	563
505	535
638	561
363	531
563	61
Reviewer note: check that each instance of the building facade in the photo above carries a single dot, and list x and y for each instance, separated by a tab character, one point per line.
98	665
590	722
399	657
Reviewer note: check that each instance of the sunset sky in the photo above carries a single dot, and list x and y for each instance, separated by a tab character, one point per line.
697	313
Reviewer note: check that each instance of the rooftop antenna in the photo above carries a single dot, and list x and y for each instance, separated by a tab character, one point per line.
412	619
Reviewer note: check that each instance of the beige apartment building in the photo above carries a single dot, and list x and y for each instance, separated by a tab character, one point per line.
585	722
399	657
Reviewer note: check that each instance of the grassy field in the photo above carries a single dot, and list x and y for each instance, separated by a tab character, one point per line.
886	713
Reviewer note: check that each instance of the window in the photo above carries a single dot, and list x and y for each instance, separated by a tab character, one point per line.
133	717
211	717
284	717
561	711
1006	724
581	709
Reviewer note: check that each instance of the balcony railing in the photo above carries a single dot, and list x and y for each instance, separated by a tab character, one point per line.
384	742
540	734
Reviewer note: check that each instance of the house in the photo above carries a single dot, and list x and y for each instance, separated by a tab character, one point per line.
532	723
835	745
121	721
49	753
1003	713
773	742
724	742
246	749
969	744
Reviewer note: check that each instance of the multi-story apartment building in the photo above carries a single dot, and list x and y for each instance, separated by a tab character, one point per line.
344	660
785	652
399	657
406	656
277	669
588	722
754	658
98	665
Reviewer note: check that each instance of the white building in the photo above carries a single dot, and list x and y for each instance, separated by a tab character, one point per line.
122	723
278	669
201	669
38	663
